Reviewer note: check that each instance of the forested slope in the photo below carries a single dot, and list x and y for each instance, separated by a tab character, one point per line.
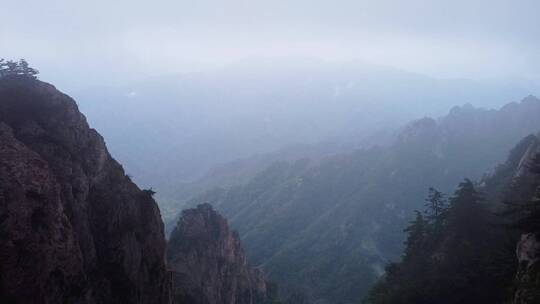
329	229
462	249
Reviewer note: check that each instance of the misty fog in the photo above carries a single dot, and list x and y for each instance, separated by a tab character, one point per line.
270	152
124	41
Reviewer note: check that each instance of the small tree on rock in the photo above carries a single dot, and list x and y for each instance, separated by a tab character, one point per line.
19	69
26	70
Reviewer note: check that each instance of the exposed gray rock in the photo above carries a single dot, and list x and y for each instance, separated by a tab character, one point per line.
73	227
528	247
534	148
208	263
528	275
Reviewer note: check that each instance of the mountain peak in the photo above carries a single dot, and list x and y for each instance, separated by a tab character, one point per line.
417	129
205	255
459	110
531	99
75	229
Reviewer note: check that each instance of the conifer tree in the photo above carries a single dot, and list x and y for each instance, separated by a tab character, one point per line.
416	235
20	69
435	204
466	212
3	67
12	67
436	213
26	70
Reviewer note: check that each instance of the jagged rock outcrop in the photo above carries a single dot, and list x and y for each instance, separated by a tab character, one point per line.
73	227
528	274
208	264
528	246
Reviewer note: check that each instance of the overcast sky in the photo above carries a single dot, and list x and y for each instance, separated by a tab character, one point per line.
106	40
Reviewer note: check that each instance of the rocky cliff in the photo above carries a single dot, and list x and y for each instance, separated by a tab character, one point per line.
208	263
528	275
528	246
73	227
345	215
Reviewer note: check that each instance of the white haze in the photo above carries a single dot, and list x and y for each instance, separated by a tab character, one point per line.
78	43
177	87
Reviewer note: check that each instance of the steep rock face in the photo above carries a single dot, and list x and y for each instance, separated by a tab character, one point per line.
528	246
528	275
208	263
329	229
73	227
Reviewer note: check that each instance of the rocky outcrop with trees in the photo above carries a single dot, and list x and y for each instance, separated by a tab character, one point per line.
208	263
73	227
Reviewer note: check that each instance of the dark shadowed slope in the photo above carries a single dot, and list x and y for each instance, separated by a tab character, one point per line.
208	263
480	245
73	227
329	229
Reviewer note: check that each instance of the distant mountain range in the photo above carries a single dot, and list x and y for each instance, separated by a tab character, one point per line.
321	222
172	130
478	245
74	228
328	229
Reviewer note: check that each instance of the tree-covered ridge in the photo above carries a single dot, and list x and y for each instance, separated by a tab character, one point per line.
329	229
440	263
465	252
17	68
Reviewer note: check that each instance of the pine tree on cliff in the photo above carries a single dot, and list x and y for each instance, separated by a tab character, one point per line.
466	213
436	213
416	236
466	226
444	259
12	67
435	204
21	69
7	67
408	281
25	69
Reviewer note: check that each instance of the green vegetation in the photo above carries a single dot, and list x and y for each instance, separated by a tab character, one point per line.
13	68
465	252
327	230
150	192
